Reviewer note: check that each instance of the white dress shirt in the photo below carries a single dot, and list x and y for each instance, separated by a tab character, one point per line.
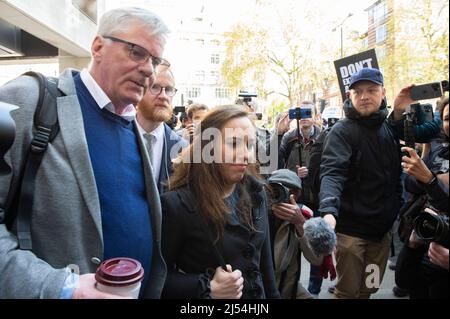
157	147
103	101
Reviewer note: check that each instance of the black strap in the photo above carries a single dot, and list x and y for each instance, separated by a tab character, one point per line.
44	131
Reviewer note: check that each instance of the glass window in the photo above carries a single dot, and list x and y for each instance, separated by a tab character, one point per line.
193	93
215	58
223	93
365	42
380	12
215	42
381	33
88	7
200	76
215	76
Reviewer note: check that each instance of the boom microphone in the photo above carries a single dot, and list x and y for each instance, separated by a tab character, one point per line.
320	236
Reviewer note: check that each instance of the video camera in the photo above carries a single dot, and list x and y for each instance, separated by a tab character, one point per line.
416	114
279	193
432	228
172	123
246	96
179	109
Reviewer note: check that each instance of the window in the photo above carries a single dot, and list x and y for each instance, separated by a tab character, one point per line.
200	76
200	42
215	58
370	12
193	93
223	93
380	12
365	42
88	7
215	76
381	33
215	42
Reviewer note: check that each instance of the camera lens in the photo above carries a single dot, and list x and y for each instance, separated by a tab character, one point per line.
432	228
279	193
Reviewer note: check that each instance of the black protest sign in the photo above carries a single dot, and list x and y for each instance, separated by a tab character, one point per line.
347	66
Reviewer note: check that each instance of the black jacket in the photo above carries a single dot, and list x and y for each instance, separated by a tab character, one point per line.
437	162
360	174
189	255
173	145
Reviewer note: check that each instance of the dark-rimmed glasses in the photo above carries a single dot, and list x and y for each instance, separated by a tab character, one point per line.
139	54
156	89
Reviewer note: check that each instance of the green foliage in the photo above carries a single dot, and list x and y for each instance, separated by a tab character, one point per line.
418	44
245	58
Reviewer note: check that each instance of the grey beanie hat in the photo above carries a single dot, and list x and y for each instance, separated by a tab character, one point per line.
286	177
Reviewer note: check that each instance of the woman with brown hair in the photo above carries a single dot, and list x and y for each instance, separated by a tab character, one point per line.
215	215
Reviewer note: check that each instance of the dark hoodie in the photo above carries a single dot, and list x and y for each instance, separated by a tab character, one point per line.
360	174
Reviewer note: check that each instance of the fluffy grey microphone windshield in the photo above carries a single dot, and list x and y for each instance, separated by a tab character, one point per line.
320	236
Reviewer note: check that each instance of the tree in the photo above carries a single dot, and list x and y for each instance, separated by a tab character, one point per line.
245	60
286	59
418	49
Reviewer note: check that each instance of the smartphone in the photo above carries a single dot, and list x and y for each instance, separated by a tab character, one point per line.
300	113
179	109
426	91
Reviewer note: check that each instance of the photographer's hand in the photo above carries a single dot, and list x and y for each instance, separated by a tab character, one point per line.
290	213
189	132
302	172
438	255
415	167
415	242
402	101
283	124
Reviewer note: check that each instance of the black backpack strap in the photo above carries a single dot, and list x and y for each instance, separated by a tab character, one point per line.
45	129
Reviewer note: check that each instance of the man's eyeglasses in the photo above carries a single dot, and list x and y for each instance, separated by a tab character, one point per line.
156	89
139	54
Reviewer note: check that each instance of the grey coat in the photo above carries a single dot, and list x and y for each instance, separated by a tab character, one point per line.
66	218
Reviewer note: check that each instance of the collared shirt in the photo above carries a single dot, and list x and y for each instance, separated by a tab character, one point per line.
103	101
157	147
311	133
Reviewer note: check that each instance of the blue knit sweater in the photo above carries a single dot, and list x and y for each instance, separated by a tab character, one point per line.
119	175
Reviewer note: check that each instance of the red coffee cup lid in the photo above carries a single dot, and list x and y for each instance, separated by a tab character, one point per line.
119	272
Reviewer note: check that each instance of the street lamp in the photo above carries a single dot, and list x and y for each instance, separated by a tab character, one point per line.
342	34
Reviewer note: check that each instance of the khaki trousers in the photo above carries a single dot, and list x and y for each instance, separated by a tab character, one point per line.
360	265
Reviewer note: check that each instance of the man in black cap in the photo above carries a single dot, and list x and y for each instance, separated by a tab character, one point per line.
287	236
360	193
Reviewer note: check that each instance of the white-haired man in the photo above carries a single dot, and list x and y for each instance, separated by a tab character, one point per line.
96	198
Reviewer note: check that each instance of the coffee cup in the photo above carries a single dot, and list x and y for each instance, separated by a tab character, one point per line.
120	276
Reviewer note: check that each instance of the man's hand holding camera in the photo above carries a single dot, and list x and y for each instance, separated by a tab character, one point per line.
292	213
283	124
402	101
438	255
188	133
415	167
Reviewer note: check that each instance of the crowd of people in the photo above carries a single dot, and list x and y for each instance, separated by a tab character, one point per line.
199	205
